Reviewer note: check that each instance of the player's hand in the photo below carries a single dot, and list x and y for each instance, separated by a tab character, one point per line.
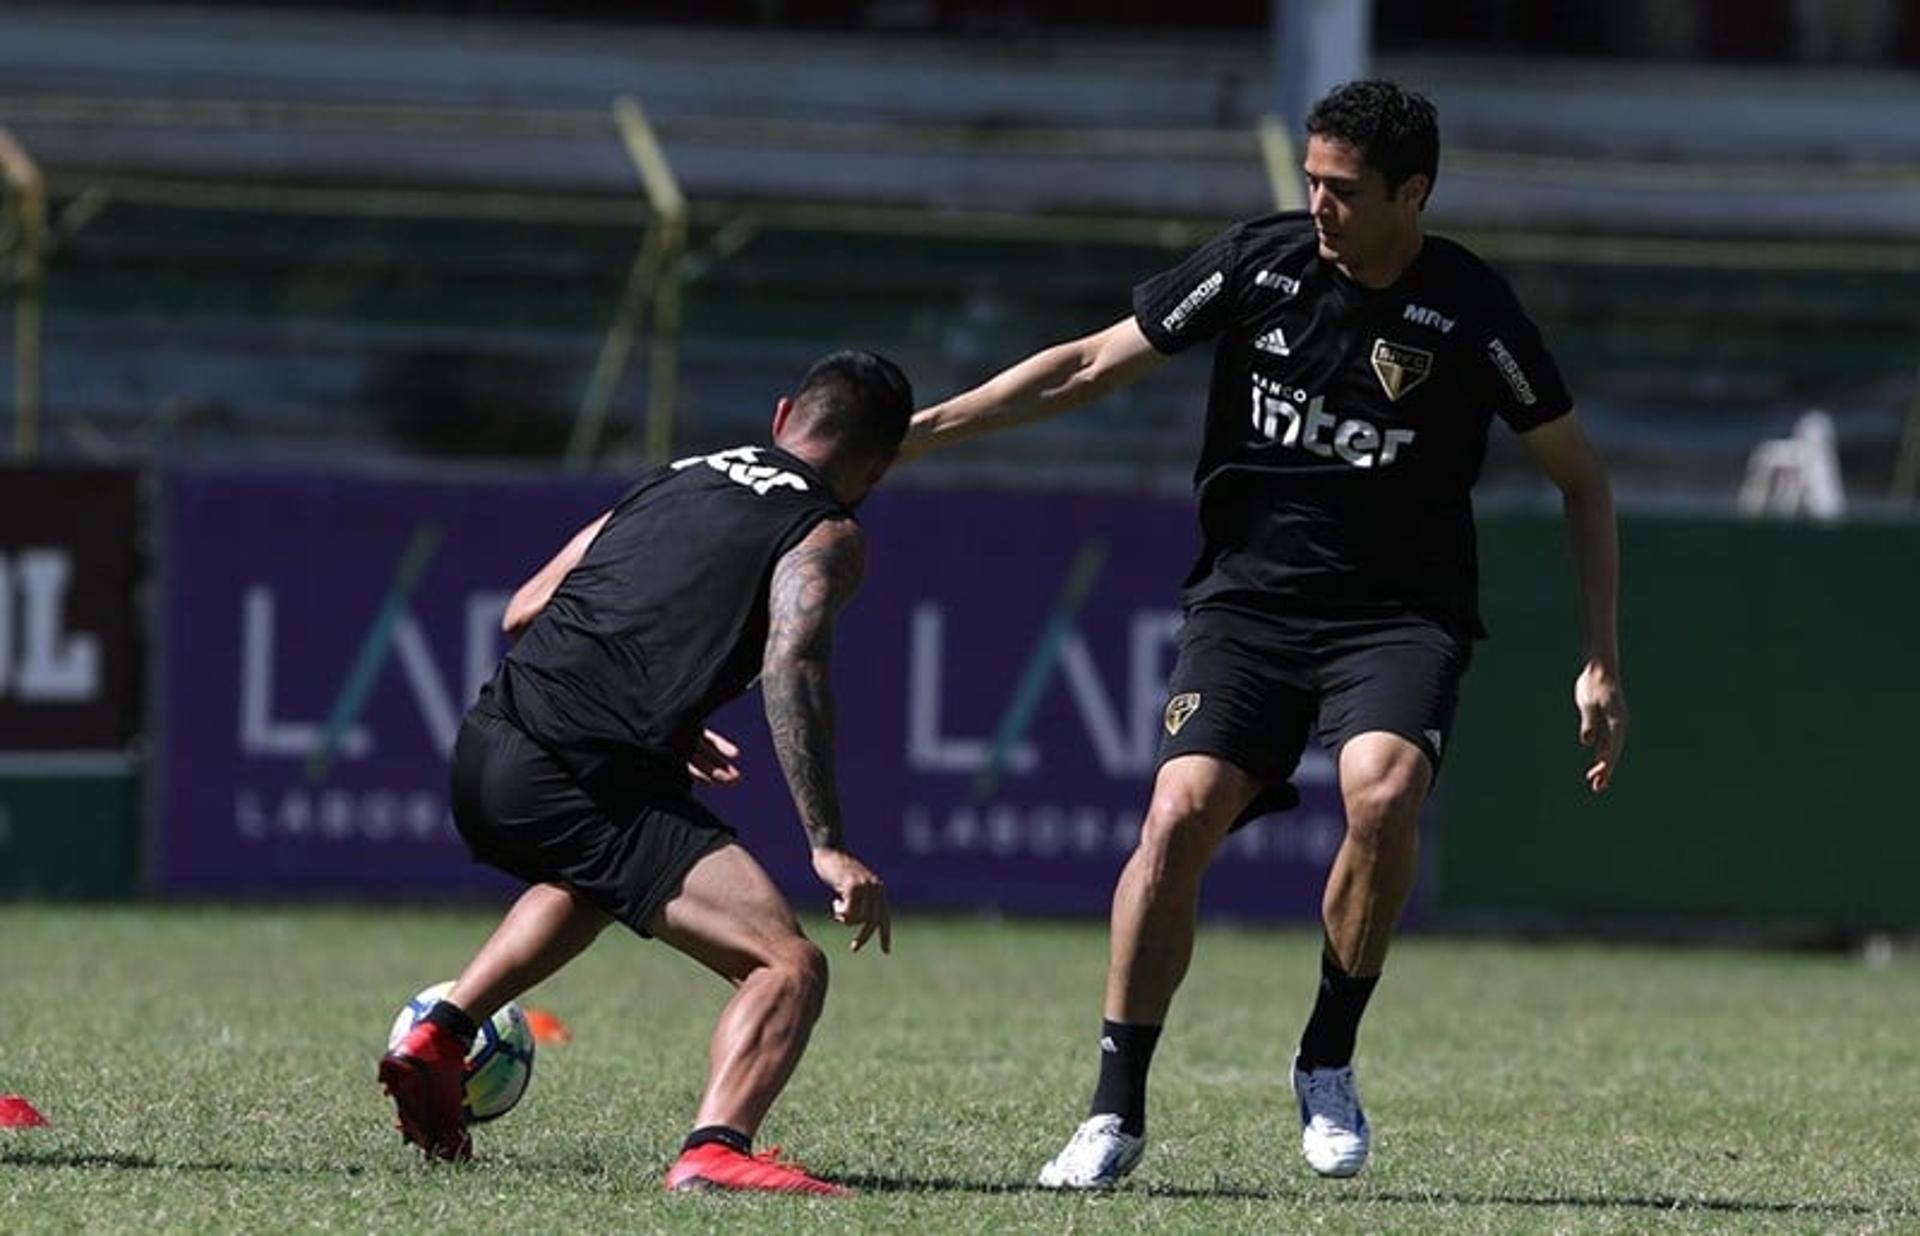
858	896
1602	702
712	761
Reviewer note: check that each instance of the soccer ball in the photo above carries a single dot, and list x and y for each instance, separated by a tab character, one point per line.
500	1064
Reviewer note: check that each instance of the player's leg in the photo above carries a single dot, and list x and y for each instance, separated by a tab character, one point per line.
1233	729
1196	799
729	917
1388	716
547	927
1383	783
424	1073
519	811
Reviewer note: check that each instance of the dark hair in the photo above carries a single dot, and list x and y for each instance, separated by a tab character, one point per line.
859	398
1395	130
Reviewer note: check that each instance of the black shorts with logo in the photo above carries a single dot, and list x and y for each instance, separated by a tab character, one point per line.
520	811
1249	688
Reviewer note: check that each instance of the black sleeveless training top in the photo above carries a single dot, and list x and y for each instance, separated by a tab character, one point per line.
664	619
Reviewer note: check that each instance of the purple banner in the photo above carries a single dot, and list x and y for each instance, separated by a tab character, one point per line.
321	636
1002	681
1000	685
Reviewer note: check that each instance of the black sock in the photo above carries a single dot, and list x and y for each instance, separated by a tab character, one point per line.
1126	1052
454	1020
1328	1040
733	1139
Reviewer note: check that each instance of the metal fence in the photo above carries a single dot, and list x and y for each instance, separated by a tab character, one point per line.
587	286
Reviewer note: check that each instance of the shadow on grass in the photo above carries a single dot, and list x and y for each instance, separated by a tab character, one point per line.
147	1163
1005	1188
403	1162
1661	1202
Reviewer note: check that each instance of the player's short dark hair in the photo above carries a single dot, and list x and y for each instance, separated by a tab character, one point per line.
860	398
1395	130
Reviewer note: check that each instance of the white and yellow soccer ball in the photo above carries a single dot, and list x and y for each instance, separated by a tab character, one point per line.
500	1064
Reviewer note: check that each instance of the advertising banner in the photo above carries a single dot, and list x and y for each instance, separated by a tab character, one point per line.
320	638
67	570
1000	683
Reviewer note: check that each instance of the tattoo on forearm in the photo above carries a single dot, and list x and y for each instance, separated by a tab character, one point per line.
810	584
800	716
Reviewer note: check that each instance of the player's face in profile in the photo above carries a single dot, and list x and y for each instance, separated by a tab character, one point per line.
1354	218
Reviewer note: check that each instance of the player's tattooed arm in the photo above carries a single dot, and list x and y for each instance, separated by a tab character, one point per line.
811	583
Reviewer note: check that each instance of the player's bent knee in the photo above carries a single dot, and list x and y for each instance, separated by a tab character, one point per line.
1178	830
1383	783
813	966
1385	807
800	968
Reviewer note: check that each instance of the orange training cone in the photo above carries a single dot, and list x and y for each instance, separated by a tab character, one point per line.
547	1028
17	1113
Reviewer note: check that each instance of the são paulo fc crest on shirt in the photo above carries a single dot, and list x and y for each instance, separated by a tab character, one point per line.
1179	708
1399	367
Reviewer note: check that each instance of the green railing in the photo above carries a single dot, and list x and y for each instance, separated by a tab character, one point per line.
644	273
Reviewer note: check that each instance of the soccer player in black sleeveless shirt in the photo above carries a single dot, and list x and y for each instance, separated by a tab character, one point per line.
574	769
1357	366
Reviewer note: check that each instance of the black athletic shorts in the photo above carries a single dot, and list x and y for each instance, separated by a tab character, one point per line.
1249	689
519	810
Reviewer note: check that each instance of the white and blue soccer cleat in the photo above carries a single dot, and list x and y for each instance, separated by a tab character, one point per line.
1097	1156
1333	1130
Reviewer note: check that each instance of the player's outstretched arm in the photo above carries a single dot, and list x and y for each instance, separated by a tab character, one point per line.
1562	450
1045	384
811	583
532	597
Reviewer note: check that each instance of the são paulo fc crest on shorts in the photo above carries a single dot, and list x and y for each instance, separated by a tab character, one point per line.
1399	367
1179	708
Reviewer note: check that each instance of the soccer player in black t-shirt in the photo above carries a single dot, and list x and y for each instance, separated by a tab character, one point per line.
573	772
1357	366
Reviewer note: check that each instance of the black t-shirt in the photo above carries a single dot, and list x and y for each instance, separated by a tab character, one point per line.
664	619
1346	426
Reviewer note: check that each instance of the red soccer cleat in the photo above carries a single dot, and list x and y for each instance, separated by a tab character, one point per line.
426	1077
714	1166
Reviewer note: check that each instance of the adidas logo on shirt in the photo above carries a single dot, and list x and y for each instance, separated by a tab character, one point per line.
1274	342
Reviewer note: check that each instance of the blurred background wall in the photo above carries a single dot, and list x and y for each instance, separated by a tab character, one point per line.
497	245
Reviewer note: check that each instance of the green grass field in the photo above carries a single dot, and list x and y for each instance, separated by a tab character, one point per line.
213	1070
